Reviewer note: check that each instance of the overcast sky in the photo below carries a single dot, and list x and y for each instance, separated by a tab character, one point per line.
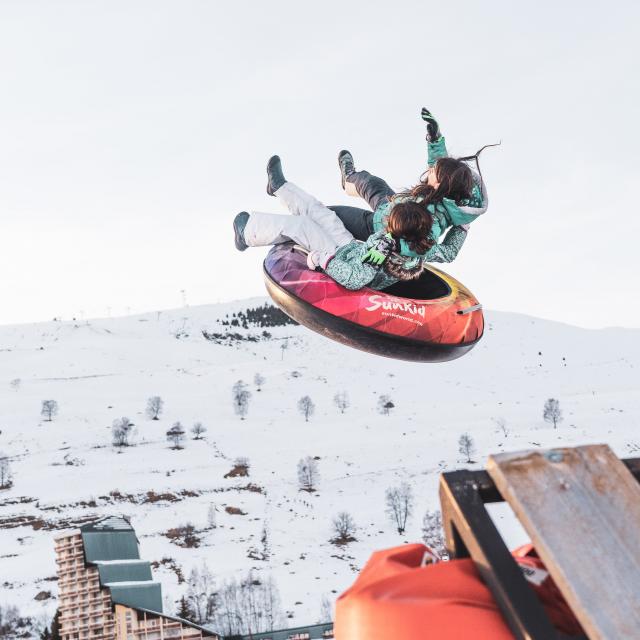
132	132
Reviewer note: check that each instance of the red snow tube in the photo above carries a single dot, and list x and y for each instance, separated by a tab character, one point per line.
395	597
431	319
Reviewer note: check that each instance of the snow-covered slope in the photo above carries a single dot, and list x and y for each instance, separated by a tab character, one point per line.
101	370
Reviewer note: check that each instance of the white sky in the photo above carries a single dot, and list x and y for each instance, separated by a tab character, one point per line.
132	132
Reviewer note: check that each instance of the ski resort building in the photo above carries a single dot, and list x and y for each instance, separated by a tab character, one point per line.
106	592
310	632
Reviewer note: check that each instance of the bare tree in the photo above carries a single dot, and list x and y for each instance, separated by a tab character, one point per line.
283	347
466	446
308	474
227	617
121	431
155	406
201	593
198	429
240	395
552	412
306	407
176	435
385	405
248	607
344	528
49	409
270	605
6	479
15	384
433	534
259	381
211	516
264	542
341	401
501	423
399	501
326	610
264	551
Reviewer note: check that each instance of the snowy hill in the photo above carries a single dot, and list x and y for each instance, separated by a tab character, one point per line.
66	471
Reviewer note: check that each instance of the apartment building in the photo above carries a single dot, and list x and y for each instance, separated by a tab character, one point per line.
106	592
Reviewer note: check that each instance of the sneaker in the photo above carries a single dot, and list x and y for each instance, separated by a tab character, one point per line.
275	177
345	162
239	224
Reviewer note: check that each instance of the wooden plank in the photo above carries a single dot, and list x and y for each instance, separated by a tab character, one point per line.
581	507
470	532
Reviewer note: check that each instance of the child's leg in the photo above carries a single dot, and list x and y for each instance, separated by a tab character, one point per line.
302	204
265	229
373	189
358	222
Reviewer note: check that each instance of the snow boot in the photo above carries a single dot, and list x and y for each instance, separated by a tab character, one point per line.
239	224
275	177
345	162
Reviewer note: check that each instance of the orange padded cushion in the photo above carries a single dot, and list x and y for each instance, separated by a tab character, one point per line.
396	598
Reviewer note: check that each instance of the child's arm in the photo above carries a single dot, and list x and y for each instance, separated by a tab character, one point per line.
351	274
448	249
347	268
436	147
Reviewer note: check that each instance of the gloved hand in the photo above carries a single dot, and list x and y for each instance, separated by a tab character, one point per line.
379	253
433	128
318	260
374	256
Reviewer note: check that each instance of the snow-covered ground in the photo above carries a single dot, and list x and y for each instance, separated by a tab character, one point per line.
101	370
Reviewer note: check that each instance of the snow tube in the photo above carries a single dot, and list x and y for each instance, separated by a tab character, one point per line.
431	319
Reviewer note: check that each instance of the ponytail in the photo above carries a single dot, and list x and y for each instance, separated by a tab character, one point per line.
411	222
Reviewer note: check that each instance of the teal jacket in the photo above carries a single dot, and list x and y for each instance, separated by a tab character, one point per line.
445	214
348	270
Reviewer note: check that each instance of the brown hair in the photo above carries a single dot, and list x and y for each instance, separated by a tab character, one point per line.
456	183
411	222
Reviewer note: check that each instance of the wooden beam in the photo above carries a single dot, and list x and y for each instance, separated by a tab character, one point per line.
470	532
581	508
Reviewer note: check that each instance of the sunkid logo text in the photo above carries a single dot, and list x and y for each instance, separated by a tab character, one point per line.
378	302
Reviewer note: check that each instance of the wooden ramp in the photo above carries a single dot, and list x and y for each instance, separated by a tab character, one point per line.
581	507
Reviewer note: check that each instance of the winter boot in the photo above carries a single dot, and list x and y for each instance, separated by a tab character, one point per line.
239	224
345	162
275	177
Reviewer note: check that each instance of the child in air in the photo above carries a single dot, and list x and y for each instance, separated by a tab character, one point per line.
449	191
376	262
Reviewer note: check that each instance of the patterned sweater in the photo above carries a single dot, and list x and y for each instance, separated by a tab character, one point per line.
348	270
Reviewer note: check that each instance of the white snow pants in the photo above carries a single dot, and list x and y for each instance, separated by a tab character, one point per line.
311	225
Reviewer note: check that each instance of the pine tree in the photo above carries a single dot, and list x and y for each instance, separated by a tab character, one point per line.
55	627
184	611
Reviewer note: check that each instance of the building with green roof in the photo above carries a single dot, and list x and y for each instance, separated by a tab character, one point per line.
107	592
